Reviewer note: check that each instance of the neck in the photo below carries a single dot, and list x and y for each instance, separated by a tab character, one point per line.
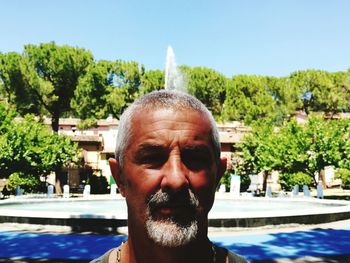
147	252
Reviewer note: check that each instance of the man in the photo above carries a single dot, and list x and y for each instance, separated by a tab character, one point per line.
167	167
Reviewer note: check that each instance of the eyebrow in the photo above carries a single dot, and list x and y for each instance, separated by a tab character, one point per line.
197	147
146	148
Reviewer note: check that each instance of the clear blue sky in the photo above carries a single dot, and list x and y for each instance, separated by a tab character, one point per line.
263	37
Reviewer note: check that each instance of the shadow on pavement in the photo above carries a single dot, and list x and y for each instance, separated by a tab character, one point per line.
42	260
318	245
327	243
330	259
18	245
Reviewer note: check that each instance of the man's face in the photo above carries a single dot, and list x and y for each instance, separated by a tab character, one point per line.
169	174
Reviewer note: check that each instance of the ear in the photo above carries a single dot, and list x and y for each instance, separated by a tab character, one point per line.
222	165
117	175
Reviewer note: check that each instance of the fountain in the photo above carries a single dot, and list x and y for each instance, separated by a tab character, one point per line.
107	212
174	79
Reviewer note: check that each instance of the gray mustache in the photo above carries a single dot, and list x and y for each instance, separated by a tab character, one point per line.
182	198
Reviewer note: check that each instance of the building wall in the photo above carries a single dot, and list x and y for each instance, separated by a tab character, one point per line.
96	151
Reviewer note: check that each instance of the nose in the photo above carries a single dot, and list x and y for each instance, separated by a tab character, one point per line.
175	176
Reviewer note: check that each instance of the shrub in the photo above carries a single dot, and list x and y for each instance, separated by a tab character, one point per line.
245	182
344	175
99	184
289	180
226	180
30	184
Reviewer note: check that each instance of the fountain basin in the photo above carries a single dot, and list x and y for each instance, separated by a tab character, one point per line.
100	213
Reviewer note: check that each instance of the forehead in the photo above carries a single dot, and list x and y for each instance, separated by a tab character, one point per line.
169	125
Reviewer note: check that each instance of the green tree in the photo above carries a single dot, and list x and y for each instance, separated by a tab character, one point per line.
107	89
285	98
6	117
344	175
295	147
28	146
288	181
90	96
29	149
208	86
151	80
328	139
59	68
126	81
19	83
320	90
342	82
248	100
261	150
30	184
296	150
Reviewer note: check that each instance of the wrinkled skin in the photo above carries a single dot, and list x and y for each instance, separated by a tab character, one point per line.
172	152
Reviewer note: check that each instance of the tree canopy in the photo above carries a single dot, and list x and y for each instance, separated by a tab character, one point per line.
57	81
208	86
60	81
27	145
297	148
59	69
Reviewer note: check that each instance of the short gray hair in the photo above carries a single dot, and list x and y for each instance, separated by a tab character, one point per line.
162	99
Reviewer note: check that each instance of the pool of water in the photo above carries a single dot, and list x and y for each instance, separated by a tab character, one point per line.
77	206
106	212
119	206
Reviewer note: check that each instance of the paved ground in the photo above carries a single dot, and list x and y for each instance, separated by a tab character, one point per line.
318	243
329	243
293	243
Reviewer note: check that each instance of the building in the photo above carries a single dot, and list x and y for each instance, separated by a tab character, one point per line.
98	145
231	133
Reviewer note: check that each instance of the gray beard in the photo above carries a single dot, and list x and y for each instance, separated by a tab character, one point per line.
171	232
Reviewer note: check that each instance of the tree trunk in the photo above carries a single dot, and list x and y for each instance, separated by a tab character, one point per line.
323	178
58	186
55	126
265	180
55	122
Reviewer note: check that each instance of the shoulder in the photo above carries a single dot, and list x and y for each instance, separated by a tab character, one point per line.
103	258
232	257
229	256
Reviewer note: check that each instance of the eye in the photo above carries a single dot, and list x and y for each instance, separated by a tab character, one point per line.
196	159
152	160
